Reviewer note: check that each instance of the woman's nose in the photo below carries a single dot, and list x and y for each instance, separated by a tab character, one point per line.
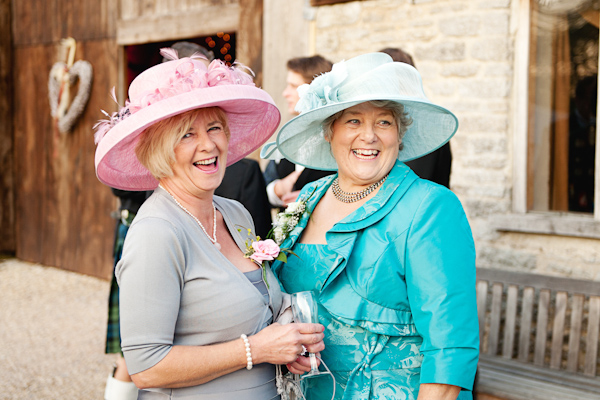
204	142
368	133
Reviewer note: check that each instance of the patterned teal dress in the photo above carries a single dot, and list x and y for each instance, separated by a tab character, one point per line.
353	354
396	287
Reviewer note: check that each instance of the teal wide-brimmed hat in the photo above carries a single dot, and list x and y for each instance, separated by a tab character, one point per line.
368	77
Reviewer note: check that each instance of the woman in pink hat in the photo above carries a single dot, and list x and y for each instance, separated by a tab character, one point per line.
197	316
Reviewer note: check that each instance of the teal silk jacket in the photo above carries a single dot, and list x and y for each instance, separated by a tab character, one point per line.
405	266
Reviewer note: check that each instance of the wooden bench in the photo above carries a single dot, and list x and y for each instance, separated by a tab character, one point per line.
539	336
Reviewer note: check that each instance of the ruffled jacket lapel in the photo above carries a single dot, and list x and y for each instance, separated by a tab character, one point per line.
342	236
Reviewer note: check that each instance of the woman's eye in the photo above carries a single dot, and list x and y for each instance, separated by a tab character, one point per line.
215	128
353	121
386	123
187	135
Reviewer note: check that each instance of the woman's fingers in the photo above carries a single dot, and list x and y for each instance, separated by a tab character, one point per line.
300	366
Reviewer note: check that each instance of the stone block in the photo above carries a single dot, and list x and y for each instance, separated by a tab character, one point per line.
494	4
448	7
420	35
490	50
445	51
499	69
486	89
464	69
487	161
343	14
460	26
509	259
481	208
484	124
441	88
495	24
327	44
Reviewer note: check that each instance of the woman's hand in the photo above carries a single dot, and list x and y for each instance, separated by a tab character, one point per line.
282	344
302	364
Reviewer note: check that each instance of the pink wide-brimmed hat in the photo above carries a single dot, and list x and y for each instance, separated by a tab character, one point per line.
172	88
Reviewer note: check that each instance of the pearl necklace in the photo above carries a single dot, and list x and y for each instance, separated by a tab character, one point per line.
347	197
212	239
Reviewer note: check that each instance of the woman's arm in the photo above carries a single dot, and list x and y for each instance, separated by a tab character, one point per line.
440	278
187	366
437	391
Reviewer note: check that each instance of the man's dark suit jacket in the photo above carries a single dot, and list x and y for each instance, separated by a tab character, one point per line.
434	166
285	167
244	182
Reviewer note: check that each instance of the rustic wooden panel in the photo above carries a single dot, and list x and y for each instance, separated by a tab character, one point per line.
482	291
510	321
63	211
591	353
495	318
7	205
537	281
525	327
575	332
48	21
316	3
558	330
541	328
250	37
178	25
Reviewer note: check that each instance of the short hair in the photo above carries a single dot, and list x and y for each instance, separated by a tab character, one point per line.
156	147
402	118
309	67
188	49
398	55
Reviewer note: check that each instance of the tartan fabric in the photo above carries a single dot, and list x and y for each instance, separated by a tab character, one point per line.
113	336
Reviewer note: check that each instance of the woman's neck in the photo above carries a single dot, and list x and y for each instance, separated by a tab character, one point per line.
199	204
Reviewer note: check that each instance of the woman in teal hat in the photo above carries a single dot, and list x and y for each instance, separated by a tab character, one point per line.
390	256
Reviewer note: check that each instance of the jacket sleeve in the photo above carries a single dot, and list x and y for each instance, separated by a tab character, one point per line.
150	277
440	279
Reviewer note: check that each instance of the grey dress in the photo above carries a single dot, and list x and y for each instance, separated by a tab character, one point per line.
176	288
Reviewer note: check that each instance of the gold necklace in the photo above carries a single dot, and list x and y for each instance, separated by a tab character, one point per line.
212	239
347	197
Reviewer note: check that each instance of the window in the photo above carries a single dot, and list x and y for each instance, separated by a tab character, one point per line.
562	87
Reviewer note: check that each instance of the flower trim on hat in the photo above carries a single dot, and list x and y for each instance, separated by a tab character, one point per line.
188	76
322	90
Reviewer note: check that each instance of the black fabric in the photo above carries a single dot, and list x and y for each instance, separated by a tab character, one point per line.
244	182
285	167
434	166
131	201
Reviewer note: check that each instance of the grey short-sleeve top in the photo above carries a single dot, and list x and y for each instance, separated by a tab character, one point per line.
176	288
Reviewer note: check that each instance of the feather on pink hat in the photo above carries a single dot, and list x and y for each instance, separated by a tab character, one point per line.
172	88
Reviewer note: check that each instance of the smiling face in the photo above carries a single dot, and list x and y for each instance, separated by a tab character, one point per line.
365	145
290	92
201	155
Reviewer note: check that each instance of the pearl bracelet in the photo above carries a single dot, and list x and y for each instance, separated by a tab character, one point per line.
248	353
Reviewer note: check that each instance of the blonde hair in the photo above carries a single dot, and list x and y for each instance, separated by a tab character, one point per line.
402	118
156	147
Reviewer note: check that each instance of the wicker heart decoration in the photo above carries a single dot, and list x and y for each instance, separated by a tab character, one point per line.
58	86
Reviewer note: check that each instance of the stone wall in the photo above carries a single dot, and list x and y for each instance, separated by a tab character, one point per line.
464	50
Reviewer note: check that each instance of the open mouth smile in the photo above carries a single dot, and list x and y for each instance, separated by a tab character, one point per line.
208	165
365	154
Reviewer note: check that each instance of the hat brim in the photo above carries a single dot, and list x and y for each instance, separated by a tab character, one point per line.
252	119
301	139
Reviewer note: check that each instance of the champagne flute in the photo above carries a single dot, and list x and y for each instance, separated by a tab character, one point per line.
305	309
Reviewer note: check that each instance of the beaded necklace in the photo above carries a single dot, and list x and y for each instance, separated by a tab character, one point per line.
347	197
212	239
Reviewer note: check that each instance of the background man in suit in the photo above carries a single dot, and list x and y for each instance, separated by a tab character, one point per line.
434	166
285	179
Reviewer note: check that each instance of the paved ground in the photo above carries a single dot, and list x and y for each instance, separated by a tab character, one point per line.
52	330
